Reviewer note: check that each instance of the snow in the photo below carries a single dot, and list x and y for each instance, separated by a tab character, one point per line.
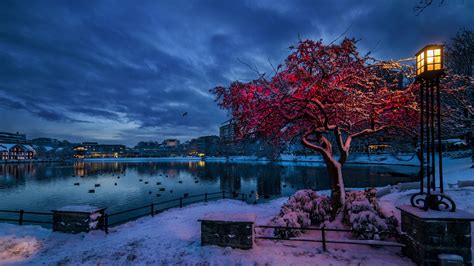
455	170
226	217
383	159
79	208
354	158
173	237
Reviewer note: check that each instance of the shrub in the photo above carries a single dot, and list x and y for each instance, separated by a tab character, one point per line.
303	209
365	218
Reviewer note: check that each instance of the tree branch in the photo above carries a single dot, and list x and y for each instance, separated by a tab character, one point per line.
362	133
313	146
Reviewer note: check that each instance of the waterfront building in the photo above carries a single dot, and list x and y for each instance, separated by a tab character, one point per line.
15	146
202	146
96	150
13	151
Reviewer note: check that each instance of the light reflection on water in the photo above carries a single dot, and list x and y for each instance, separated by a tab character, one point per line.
46	186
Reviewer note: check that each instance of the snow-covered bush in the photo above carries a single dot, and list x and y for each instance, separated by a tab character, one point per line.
306	207
365	218
303	209
317	206
290	218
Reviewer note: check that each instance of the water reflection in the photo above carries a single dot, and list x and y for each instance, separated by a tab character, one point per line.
50	185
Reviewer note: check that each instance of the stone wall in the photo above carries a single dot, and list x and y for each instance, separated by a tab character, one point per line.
228	231
425	239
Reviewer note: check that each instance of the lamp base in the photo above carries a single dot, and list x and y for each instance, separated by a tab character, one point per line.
433	201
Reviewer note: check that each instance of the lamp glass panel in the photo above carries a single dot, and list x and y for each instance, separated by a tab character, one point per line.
437	52
430	67
437	59
437	66
430	53
429	60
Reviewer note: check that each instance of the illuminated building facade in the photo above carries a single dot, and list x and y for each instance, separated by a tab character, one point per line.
96	150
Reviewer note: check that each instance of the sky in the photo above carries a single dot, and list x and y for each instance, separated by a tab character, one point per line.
127	71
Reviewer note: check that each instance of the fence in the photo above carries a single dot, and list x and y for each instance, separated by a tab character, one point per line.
117	218
21	217
155	208
324	239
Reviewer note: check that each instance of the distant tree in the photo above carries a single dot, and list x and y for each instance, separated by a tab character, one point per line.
460	53
322	92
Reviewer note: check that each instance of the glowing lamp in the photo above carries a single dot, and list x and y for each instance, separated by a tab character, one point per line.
429	61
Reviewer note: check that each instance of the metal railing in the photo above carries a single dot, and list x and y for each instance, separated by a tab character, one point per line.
131	214
21	217
155	208
323	240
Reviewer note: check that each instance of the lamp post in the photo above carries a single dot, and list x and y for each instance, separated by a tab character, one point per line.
429	69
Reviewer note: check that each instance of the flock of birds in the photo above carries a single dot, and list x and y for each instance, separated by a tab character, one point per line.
161	189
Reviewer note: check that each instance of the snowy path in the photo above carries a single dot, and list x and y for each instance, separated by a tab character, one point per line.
173	237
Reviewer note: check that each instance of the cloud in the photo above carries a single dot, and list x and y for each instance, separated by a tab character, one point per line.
129	68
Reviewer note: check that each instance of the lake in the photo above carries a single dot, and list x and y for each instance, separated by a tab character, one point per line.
124	185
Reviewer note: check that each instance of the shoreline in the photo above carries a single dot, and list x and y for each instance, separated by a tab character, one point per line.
355	160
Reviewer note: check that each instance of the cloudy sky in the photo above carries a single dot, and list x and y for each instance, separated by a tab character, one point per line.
125	71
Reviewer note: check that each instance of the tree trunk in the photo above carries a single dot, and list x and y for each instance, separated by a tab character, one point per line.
338	194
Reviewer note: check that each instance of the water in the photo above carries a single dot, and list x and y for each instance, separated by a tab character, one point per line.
46	186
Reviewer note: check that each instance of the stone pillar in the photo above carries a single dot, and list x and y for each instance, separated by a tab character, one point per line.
427	234
228	230
75	219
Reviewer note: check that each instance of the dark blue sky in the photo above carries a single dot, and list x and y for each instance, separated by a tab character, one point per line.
125	71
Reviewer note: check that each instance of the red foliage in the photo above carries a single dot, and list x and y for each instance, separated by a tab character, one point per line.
320	88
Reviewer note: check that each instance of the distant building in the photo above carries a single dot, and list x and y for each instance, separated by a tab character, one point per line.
17	138
171	143
15	146
96	150
227	132
204	146
12	151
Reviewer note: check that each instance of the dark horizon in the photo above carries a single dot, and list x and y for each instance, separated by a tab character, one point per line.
123	73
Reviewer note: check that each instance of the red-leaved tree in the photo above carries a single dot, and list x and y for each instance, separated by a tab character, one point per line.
321	93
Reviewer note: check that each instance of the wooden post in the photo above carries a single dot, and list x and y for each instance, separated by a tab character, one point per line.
106	223
20	221
323	235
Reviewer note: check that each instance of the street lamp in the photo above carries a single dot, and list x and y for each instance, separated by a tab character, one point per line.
429	69
429	62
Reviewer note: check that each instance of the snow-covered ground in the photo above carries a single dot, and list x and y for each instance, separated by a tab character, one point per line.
173	237
454	170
